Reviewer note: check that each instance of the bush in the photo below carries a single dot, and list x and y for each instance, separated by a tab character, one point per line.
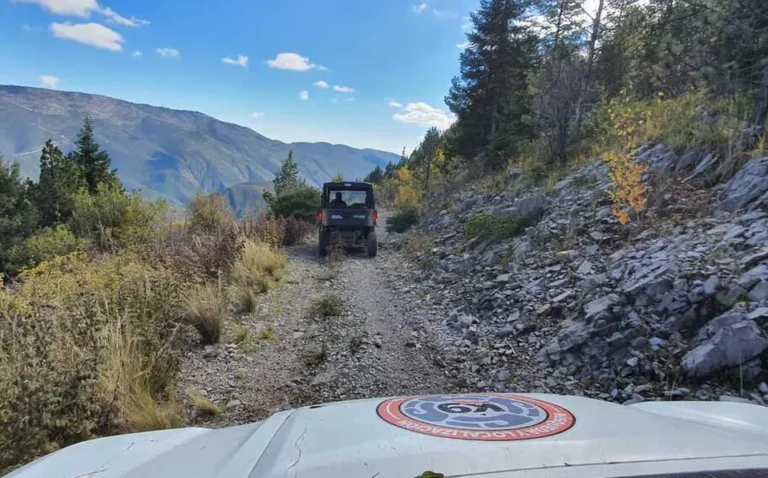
301	202
47	243
206	308
483	224
258	269
403	220
267	229
208	213
327	305
87	348
112	219
296	230
194	256
204	406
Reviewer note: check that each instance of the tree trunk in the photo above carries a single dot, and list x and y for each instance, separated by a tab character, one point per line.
559	24
587	86
761	108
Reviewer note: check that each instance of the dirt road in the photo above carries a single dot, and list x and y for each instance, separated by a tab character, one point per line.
382	345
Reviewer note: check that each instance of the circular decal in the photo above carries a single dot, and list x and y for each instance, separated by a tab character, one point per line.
486	417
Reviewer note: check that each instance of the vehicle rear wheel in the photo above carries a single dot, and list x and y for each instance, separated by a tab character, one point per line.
373	244
323	239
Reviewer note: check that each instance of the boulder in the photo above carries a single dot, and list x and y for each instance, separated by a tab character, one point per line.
731	346
747	188
601	306
532	207
759	292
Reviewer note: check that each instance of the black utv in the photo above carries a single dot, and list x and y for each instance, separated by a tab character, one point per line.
348	215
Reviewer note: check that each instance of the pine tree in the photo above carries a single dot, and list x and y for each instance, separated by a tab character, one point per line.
375	176
92	160
287	177
60	180
490	97
18	219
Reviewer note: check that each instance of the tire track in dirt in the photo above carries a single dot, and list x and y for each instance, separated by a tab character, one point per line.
380	346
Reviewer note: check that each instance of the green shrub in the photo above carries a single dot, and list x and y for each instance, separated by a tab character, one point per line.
47	243
87	348
402	221
300	202
112	219
209	213
327	305
483	224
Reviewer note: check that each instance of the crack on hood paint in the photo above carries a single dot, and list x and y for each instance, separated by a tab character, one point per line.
298	449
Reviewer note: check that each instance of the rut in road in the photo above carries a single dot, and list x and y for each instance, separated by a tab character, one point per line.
380	346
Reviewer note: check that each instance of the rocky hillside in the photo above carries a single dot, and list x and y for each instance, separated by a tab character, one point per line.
674	305
166	153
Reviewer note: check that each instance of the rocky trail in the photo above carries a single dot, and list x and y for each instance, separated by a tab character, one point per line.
671	308
381	345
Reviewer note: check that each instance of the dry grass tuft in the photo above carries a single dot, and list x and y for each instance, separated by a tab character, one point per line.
206	308
203	405
259	268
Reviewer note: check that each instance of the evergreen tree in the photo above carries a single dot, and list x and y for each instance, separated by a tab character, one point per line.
339	178
490	97
18	218
92	160
375	176
287	177
60	179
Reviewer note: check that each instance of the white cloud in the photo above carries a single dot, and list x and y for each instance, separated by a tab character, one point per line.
421	8
304	95
50	81
239	61
443	13
425	115
322	84
343	89
93	34
291	61
257	114
466	23
78	8
84	8
168	52
136	53
395	104
121	20
462	46
323	68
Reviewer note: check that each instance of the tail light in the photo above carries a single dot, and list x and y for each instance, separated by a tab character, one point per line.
319	217
375	217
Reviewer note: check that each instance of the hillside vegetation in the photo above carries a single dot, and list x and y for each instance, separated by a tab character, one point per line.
543	85
595	221
102	292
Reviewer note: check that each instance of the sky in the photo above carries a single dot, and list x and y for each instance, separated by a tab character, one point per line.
367	73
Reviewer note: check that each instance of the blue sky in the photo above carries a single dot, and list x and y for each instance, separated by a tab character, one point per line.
397	55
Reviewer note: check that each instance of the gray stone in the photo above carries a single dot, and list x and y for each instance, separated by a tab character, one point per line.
753	276
746	187
532	207
704	165
731	346
763	388
633	361
600	306
759	293
759	314
731	296
562	296
503	375
503	278
727	319
585	268
755	258
710	286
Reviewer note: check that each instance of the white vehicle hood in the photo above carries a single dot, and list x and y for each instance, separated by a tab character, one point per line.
350	439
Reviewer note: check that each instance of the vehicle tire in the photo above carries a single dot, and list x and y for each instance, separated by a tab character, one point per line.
373	244
323	239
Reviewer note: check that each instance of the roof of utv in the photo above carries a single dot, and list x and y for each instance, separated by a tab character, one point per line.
351	185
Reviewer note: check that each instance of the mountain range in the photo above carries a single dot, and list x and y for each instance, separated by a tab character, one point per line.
165	153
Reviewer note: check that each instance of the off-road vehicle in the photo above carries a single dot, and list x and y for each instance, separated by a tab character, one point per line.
348	215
